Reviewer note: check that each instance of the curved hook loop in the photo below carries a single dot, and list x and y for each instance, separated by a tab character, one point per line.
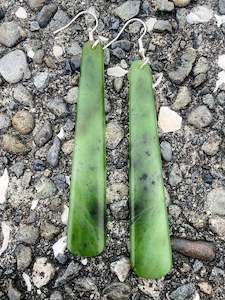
91	32
140	40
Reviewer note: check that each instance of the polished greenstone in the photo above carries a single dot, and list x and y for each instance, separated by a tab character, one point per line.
150	242
86	229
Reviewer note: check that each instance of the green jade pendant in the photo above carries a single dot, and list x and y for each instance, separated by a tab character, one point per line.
86	228
150	242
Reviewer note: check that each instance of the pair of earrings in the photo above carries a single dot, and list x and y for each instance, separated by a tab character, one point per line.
149	234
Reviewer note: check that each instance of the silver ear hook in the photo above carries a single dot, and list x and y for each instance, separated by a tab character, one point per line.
140	40
91	32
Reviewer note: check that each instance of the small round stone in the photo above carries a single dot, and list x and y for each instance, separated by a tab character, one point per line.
181	3
200	117
23	257
166	151
43	272
57	51
4	121
23	121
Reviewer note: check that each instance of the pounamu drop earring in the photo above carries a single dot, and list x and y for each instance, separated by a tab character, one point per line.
86	228
149	233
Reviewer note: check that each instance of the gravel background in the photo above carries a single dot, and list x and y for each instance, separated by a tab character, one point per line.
39	163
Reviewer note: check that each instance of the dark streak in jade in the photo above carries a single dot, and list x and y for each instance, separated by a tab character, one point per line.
86	230
150	242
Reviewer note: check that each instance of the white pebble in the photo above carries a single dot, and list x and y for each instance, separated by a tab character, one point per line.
30	53
34	204
221	61
199	14
6	234
150	24
169	120
84	261
116	72
121	268
27	281
60	246
4	182
57	51
21	13
65	215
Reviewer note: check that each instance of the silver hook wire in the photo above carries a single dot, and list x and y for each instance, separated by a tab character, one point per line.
140	40
91	32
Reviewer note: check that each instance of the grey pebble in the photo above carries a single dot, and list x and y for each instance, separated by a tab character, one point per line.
209	100
48	230
175	176
199	79
119	53
58	107
162	26
107	56
222	7
114	134
23	95
13	293
183	69
5	121
215	203
69	125
212	144
41	80
181	16
201	66
200	117
117	290
72	95
18	168
27	234
39	56
45	188
134	27
23	257
123	44
34	4
118	84
46	14
39	165
221	98
34	26
128	10
217	225
74	49
43	135
60	182
11	34
183	292
14	67
71	271
59	20
56	296
53	153
165	5
166	151
183	98
119	209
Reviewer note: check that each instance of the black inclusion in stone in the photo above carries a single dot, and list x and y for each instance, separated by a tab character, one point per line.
2	13
144	177
39	165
